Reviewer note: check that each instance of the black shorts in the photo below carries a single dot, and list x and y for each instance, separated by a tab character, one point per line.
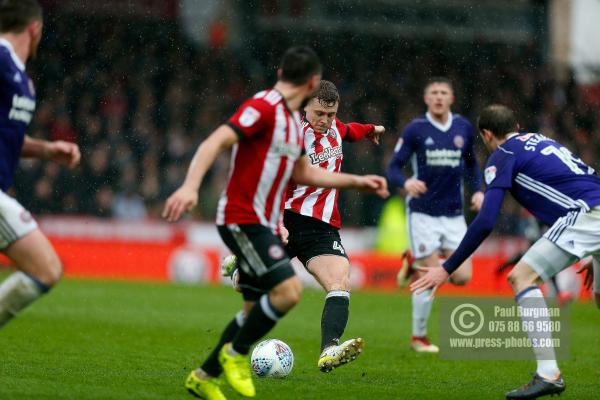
310	237
262	260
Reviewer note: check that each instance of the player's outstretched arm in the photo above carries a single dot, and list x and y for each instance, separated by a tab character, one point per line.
305	174
376	133
65	153
185	198
479	229
355	131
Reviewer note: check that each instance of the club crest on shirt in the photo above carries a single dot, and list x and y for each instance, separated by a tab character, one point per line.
249	117
459	141
490	174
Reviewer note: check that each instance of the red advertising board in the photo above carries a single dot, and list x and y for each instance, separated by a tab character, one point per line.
157	251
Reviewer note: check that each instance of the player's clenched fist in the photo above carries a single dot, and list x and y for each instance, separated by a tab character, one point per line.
375	184
184	199
415	187
65	153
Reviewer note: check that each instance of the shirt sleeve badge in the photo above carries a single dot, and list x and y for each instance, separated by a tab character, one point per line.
490	174
249	117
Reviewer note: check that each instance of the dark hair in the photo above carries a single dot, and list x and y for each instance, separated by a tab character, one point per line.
298	64
15	15
327	94
498	119
438	79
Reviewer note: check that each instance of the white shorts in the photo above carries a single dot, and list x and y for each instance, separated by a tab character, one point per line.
572	237
15	221
428	234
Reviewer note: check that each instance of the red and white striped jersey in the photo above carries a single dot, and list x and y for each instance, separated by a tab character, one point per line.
262	161
324	150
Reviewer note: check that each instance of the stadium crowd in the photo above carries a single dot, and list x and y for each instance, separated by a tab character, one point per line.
138	99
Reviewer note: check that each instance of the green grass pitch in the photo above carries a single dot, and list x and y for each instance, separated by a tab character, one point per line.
117	340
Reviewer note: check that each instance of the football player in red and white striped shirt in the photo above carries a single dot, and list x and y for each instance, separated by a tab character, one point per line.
267	142
312	218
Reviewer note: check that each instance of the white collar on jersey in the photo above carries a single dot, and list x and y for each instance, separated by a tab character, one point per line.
13	55
443	128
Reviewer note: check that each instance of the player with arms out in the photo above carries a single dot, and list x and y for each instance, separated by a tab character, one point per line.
440	146
313	220
558	189
267	142
38	265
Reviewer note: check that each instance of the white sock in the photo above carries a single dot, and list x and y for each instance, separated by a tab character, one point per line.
17	292
421	309
545	356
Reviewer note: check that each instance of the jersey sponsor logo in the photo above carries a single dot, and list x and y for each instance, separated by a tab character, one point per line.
459	141
326	154
490	174
443	157
338	246
429	142
249	117
398	145
22	109
275	252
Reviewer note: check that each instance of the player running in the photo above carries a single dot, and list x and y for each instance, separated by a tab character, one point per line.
558	189
440	147
38	265
267	141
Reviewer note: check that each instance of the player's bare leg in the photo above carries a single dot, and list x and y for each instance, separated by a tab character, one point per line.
39	269
547	380
333	274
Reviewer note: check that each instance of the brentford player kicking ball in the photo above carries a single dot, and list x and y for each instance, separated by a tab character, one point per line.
312	219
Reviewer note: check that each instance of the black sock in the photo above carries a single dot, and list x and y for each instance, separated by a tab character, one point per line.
335	317
211	366
261	319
